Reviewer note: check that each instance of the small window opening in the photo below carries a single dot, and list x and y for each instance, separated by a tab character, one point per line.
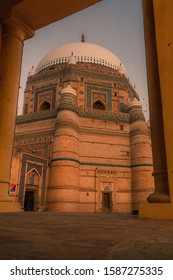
45	106
98	105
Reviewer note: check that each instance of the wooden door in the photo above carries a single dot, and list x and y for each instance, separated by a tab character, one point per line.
29	201
106	201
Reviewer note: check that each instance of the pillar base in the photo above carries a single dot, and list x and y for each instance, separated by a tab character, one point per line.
156	210
10	206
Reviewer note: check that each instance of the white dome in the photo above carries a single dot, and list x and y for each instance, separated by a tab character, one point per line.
83	52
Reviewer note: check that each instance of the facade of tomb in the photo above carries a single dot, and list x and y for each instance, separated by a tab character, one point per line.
82	143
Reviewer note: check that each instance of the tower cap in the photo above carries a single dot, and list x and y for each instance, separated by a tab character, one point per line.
134	102
68	89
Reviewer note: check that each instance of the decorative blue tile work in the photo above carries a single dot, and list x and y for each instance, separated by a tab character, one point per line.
90	88
44	90
40	168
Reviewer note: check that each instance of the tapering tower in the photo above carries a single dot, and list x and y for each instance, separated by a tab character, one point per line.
141	155
63	189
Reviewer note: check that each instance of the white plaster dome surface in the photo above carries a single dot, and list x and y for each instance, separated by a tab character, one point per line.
83	52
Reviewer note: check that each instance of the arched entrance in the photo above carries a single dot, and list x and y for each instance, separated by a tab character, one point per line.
107	200
31	191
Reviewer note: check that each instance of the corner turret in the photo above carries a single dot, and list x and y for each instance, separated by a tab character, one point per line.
63	189
72	59
31	72
141	155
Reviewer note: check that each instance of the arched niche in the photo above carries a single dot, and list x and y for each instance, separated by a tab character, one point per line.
32	178
98	105
45	106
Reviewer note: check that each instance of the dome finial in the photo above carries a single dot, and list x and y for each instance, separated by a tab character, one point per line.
83	38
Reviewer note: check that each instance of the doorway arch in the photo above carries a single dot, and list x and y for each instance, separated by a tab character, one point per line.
31	190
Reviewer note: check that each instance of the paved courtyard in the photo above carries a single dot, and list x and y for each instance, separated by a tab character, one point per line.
33	235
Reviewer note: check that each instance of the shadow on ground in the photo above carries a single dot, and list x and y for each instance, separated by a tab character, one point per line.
82	236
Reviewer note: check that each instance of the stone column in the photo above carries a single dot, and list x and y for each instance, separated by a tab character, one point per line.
161	193
163	16
13	35
0	36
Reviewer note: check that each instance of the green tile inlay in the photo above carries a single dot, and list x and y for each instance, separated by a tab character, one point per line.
101	89
142	164
102	164
60	159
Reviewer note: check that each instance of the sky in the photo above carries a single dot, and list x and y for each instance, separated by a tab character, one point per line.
114	24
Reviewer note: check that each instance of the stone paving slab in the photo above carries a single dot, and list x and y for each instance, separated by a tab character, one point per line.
62	236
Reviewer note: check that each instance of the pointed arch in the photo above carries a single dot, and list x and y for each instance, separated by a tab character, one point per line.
98	105
107	189
45	105
33	177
